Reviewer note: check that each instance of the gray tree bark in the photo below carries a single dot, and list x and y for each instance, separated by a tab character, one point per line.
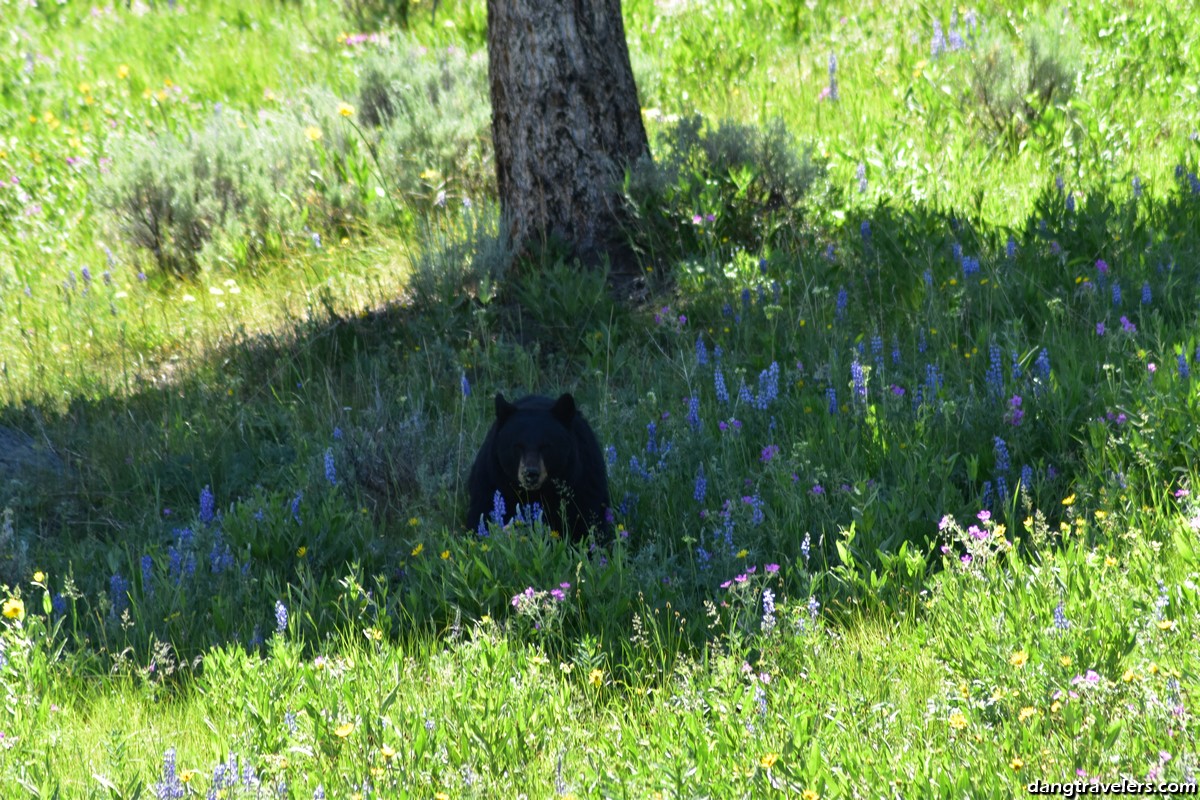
565	123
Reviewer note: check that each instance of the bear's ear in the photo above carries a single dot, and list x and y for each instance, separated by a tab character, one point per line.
504	409
564	409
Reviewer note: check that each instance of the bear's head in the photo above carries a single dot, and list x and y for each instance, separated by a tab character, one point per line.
534	442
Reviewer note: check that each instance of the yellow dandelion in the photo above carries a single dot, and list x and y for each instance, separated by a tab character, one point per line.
187	775
596	677
445	555
769	760
1166	624
342	731
1026	712
809	794
416	551
14	608
345	109
1016	763
1018	658
313	133
39	577
301	551
1066	661
958	721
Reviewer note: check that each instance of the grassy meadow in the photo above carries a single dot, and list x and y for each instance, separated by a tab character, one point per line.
903	443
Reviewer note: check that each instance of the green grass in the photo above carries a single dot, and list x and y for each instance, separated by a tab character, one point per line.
321	408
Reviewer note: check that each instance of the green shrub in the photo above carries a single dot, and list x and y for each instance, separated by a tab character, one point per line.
732	184
222	193
1014	85
428	114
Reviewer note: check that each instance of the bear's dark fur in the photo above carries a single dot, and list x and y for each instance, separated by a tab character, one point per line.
541	451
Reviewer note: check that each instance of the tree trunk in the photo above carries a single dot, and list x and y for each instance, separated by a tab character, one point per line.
565	122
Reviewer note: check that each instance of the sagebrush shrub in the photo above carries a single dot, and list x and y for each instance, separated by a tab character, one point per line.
222	192
428	114
1014	84
729	183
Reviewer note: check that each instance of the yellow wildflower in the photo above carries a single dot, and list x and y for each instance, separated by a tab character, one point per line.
445	555
345	109
958	721
1026	713
809	794
342	731
1016	763
1018	658
388	752
769	760
39	577
596	677
14	608
416	551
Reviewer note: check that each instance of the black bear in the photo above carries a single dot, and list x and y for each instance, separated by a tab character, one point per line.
541	451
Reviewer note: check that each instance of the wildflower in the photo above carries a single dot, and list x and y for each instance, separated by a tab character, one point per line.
719	386
596	677
768	453
693	413
281	616
170	787
809	794
345	109
313	133
330	469
1015	412
1016	763
831	396
1026	713
701	485
344	730
498	508
769	760
206	505
768	617
858	378
14	609
861	175
1002	461
1019	658
833	88
842	299
420	548
1116	293
938	45
1060	617
1099	328
1146	296
771	569
1128	326
958	721
701	351
465	385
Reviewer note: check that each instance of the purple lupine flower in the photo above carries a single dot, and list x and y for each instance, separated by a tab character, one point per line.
938	46
281	616
118	593
701	351
719	386
693	413
170	787
861	175
1184	370
464	385
842	299
1146	296
207	504
1116	293
330	469
498	508
148	575
858	378
1001	449
833	87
